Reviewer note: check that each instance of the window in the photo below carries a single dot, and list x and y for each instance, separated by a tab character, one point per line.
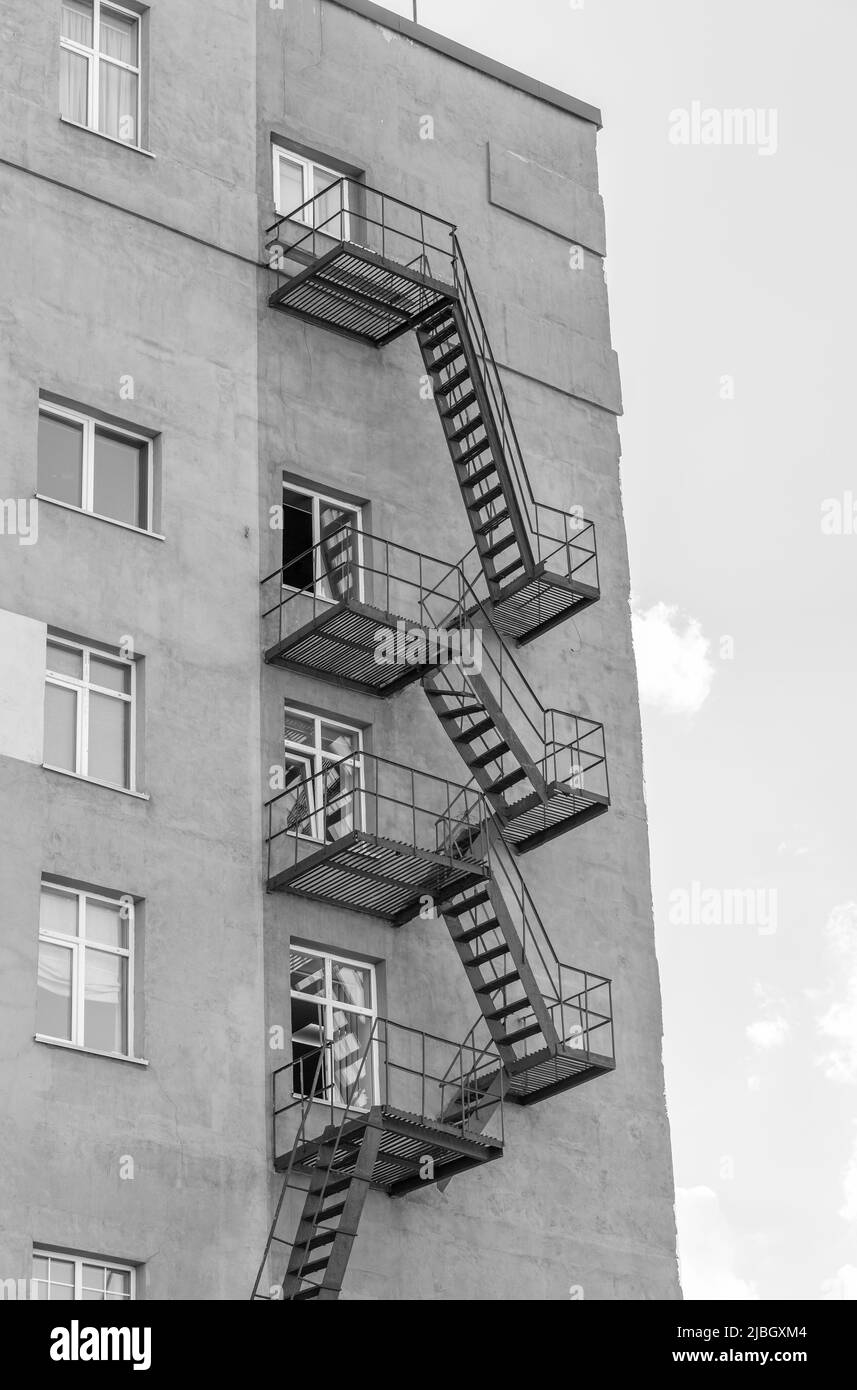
100	68
99	468
322	545
297	181
62	1278
86	966
90	713
334	1007
325	800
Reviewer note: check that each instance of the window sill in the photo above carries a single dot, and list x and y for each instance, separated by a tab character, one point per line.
89	1051
90	130
94	782
97	516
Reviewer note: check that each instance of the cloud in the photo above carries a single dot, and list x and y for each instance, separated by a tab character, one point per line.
673	668
843	1284
707	1253
838	1023
768	1032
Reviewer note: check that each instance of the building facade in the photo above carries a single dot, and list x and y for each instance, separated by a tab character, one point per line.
306	302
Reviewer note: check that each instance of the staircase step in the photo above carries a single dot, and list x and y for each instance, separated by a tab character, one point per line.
473	933
471	479
500	983
457	407
468	428
447	358
475	731
329	1189
510	569
486	956
477	503
506	1039
457	380
514	1008
491	756
503	783
457	909
443	333
460	712
314	1266
306	1293
475	451
327	1213
492	523
323	1238
504	544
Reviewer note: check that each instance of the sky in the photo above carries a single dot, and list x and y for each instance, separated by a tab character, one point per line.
731	274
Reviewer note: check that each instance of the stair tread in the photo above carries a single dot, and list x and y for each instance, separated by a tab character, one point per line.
456	909
305	1293
500	982
456	407
517	564
460	713
447	358
504	544
507	780
313	1266
467	428
328	1189
506	1039
514	1008
327	1213
475	731
441	336
492	523
490	756
457	380
477	503
323	1238
485	956
474	451
481	929
471	479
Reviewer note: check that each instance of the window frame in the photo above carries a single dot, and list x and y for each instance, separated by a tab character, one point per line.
308	167
329	1003
314	755
94	57
318	577
82	687
43	1252
90	425
77	945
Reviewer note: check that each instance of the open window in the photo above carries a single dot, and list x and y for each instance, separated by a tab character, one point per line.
322	545
333	1011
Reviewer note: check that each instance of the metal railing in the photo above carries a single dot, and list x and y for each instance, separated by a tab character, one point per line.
402	582
420	811
352	212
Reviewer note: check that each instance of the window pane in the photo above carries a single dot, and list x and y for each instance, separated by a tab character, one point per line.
77	21
299	728
327	208
337	551
105	1002
352	1060
61	453
121	468
117	102
311	1065
104	923
291	186
118	36
66	661
118	1283
93	1278
40	1267
61	727
307	975
53	1007
352	984
297	540
338	742
297	804
62	1293
108	739
113	675
58	912
74	80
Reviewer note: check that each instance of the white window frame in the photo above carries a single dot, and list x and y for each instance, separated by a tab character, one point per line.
83	686
43	1253
90	424
309	168
94	57
319	499
77	945
328	1003
313	756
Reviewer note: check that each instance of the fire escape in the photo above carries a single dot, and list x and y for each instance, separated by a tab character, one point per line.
380	837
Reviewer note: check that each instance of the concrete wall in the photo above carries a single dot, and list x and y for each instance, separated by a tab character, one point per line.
584	1194
115	265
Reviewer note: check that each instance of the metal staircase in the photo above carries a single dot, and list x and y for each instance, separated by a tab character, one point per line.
372	267
402	1111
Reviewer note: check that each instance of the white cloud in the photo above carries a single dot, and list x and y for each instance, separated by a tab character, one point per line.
838	1023
673	668
707	1253
768	1032
843	1284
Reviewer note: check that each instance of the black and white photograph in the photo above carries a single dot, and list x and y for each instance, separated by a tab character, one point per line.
428	540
